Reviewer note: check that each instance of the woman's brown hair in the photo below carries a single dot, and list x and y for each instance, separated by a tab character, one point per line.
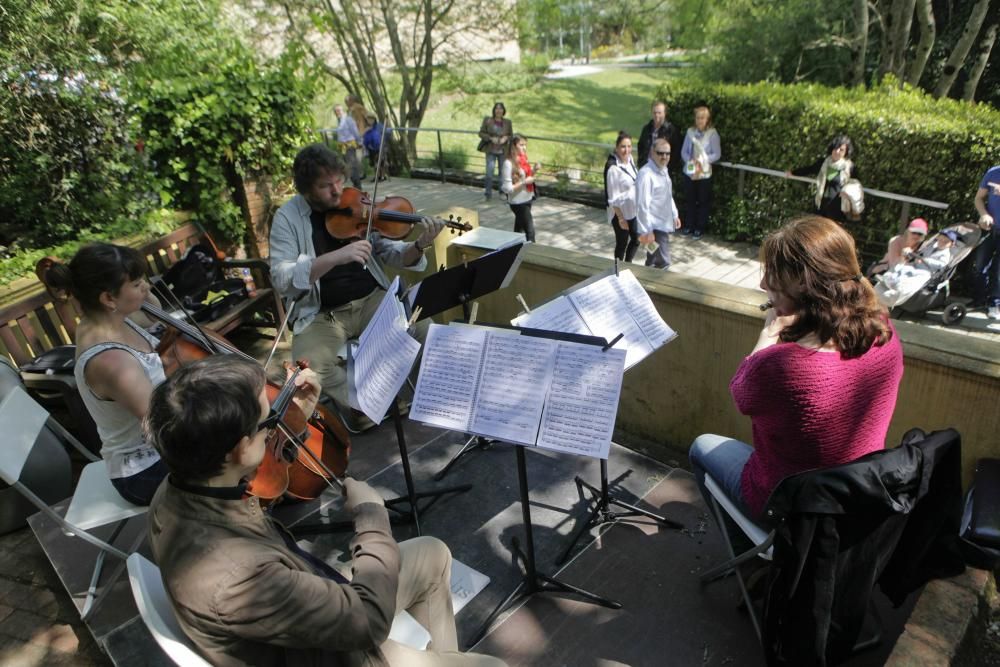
813	261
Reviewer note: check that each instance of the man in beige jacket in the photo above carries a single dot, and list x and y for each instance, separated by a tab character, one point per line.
242	590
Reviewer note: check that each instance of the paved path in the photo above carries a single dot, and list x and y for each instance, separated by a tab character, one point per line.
585	228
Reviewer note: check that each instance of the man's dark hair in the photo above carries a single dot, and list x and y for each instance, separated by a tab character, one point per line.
314	161
202	411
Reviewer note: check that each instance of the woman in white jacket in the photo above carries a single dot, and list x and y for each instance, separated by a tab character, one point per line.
518	182
619	186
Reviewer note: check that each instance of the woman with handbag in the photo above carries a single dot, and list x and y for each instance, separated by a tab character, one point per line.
518	182
838	192
494	135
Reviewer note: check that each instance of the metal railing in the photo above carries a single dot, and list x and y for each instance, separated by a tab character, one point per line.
570	171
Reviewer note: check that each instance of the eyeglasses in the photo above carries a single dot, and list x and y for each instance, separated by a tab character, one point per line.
663	153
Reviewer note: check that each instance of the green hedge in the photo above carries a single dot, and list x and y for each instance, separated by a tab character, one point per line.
905	142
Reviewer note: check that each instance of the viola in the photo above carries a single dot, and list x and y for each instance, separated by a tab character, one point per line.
392	217
300	464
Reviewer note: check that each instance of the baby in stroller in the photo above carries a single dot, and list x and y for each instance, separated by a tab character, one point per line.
907	277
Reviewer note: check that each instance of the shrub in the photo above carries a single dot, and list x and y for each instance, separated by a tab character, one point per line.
905	142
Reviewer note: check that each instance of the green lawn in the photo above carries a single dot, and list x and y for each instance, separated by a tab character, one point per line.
586	108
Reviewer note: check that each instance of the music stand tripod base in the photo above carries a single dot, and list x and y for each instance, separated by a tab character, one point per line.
475	442
533	581
602	513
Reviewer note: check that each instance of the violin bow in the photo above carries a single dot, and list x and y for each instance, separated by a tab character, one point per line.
163	290
378	174
284	325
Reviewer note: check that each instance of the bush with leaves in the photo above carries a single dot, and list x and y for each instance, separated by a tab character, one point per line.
233	118
905	142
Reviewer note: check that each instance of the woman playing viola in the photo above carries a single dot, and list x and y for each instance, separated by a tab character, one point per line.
117	366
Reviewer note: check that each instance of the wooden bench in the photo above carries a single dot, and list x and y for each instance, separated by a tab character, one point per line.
36	324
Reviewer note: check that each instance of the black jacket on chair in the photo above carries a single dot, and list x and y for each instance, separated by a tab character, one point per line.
836	532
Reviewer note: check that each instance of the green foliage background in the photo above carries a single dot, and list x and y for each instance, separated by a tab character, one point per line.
905	141
111	111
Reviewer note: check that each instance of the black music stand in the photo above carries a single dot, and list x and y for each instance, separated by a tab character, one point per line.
533	581
460	286
602	512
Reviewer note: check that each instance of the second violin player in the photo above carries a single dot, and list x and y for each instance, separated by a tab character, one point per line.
341	281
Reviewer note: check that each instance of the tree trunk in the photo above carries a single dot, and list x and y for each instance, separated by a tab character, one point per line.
928	33
962	48
902	37
890	20
982	56
859	47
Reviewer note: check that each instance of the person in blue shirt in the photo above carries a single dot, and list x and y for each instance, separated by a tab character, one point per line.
986	264
372	141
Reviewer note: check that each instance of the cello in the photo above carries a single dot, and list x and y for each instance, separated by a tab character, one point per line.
309	454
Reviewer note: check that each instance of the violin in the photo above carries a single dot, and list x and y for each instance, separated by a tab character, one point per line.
305	455
392	217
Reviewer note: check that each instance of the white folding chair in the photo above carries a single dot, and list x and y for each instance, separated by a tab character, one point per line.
158	615
95	501
761	539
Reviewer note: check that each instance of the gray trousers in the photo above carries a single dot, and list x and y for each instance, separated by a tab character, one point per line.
661	258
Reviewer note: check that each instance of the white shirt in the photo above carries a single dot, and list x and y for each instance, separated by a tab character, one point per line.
621	188
522	195
654	199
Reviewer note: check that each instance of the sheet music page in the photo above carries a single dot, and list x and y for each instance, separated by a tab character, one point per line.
449	375
643	311
516	374
384	357
556	315
582	404
601	306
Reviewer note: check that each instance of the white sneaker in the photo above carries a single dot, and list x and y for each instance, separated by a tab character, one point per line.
994	312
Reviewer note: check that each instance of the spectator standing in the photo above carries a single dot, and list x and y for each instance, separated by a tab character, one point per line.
986	265
658	126
701	150
350	140
619	188
656	211
832	173
373	142
494	137
518	182
358	112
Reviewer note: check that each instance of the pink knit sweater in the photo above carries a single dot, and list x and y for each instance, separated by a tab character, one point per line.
812	409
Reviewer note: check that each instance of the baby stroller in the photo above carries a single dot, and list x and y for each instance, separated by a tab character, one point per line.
935	293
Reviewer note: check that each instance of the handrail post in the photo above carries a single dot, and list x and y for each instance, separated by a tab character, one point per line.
905	214
739	184
440	155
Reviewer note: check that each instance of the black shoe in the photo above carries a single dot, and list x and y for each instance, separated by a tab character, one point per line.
685	231
696	236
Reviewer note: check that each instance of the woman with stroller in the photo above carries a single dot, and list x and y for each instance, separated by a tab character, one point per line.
900	247
820	385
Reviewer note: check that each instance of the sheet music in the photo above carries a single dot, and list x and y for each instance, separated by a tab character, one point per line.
602	308
449	375
516	374
556	315
580	411
383	358
642	309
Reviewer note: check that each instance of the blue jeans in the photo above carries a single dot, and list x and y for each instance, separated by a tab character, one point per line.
724	459
491	160
986	271
139	488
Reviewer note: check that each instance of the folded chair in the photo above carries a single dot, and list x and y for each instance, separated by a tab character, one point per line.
834	530
94	503
158	615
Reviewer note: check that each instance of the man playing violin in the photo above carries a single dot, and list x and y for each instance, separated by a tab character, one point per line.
242	590
337	279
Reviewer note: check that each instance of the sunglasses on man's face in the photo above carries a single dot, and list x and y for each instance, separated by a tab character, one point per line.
663	153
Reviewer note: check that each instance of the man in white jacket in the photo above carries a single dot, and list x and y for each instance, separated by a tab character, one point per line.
656	211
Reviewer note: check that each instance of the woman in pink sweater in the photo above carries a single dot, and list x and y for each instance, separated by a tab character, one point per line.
820	385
